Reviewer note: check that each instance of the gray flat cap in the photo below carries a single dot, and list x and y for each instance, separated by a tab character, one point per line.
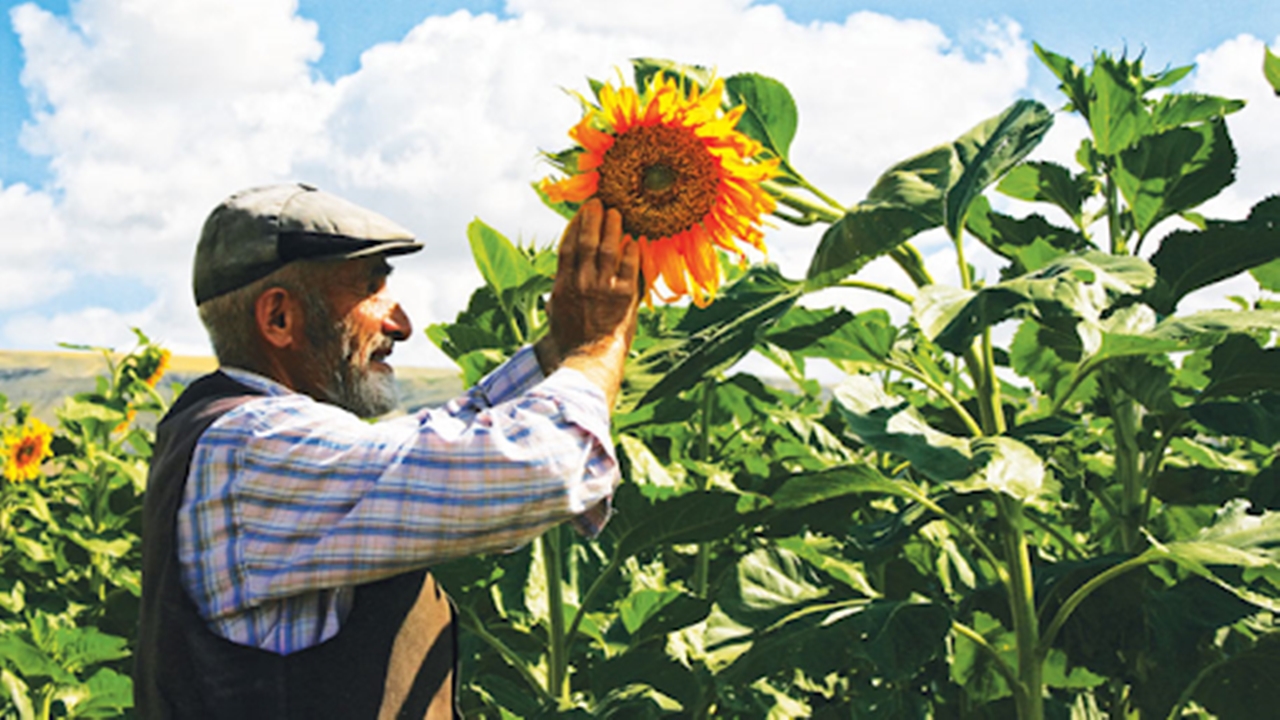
258	231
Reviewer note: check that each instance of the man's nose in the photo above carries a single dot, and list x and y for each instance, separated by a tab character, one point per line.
396	324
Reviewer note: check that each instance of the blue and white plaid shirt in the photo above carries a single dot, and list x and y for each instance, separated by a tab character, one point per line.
291	502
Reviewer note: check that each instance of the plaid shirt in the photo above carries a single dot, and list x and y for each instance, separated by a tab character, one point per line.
291	502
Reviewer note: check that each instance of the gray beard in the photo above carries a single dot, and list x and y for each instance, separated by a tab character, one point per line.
349	383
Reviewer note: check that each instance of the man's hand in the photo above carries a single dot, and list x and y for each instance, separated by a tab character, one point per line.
594	300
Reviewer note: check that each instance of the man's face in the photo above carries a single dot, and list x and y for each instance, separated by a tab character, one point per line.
355	335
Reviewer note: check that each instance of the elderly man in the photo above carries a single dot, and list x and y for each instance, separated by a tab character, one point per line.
286	541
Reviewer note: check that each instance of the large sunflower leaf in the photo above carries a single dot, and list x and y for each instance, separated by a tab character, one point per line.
1030	242
895	638
501	264
708	340
1048	182
770	116
1235	539
906	200
1241	685
1078	286
1116	116
1192	332
891	424
1185	108
1189	260
989	150
1257	418
1171	172
640	525
1238	367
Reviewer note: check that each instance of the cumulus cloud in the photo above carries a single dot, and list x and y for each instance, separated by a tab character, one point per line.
150	114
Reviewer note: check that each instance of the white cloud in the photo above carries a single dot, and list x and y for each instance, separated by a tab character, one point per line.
152	111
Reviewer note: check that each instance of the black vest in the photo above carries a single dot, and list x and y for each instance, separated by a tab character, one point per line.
394	656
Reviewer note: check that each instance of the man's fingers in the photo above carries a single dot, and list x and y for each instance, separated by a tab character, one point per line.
567	253
629	266
610	245
589	242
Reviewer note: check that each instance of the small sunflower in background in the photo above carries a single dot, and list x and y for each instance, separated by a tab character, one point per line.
25	449
686	182
153	364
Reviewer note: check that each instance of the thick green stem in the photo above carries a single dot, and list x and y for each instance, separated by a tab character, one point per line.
557	661
978	374
1119	243
1022	606
806	206
1128	457
966	273
991	390
909	259
702	567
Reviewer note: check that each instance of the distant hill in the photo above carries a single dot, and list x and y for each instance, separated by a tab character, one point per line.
45	378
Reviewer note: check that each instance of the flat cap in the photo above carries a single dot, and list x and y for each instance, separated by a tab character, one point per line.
257	231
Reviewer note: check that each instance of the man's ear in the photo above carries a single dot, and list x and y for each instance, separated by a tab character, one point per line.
279	318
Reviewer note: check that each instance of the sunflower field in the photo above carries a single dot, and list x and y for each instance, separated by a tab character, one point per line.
1041	494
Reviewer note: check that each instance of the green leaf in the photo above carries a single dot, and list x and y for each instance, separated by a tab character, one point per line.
18	693
478	363
1080	286
906	200
1199	330
1241	685
695	517
501	263
848	340
708	340
1268	275
1239	367
1174	171
1048	182
1177	109
1271	69
644	469
1116	116
651	667
646	68
1071	77
1258	418
767	585
770	117
1189	260
989	150
889	424
894	638
1031	242
1047	356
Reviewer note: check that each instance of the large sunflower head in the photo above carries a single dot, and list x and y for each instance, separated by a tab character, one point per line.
684	179
25	449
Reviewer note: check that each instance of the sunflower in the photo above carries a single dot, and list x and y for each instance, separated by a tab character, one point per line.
162	359
25	448
684	179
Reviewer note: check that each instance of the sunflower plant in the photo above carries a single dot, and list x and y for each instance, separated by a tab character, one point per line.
69	551
1077	521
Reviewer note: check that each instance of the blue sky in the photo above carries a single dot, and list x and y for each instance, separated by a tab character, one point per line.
1170	32
145	113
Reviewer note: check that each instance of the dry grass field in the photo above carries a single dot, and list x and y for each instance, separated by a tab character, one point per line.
45	378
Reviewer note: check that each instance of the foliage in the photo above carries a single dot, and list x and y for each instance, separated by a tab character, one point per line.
1080	521
69	553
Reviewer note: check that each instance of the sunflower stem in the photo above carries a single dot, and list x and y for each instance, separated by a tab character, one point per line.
804	205
876	287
